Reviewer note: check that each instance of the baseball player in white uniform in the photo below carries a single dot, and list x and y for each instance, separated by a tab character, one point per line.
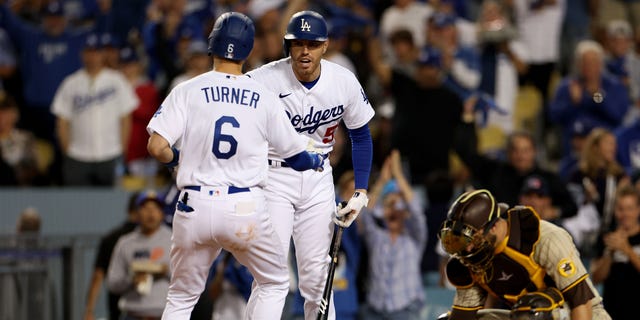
317	94
225	122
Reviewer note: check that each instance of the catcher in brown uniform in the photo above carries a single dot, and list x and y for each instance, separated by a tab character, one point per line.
511	255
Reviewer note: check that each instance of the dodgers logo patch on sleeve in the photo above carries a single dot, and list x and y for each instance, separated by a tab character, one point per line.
566	267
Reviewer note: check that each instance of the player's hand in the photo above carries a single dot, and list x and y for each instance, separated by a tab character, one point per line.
347	214
318	161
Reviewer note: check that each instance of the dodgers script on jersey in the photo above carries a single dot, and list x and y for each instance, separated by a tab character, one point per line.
316	112
231	120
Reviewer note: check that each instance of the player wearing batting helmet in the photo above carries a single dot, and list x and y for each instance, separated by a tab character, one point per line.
318	95
226	123
509	253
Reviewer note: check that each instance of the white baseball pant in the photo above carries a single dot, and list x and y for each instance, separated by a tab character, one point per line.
234	219
301	205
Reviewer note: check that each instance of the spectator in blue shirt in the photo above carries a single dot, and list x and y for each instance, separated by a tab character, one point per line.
161	37
590	94
395	247
460	64
47	54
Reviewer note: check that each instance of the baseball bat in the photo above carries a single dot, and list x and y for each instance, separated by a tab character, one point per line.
323	311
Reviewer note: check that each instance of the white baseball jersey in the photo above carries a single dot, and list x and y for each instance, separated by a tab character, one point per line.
225	124
94	107
316	112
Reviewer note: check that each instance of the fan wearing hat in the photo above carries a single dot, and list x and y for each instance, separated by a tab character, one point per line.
460	62
48	53
509	252
92	107
398	245
197	62
139	267
535	194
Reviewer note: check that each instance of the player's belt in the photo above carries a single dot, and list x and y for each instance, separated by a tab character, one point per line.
231	189
282	164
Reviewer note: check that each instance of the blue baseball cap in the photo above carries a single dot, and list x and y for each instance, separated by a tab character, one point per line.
128	54
110	40
390	187
430	56
92	41
149	195
581	127
535	184
54	8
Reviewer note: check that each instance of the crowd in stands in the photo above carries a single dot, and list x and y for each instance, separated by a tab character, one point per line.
535	100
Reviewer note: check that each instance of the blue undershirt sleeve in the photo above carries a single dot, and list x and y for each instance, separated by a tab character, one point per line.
362	155
301	161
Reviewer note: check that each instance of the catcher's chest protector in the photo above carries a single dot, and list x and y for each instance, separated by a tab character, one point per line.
513	272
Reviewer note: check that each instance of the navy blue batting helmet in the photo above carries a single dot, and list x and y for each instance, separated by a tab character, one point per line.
305	25
232	36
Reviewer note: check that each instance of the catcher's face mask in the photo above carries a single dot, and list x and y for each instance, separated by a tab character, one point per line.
465	234
473	247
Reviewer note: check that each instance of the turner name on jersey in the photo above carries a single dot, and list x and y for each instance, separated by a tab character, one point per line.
232	95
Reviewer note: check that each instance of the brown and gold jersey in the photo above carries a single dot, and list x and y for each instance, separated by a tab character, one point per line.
536	254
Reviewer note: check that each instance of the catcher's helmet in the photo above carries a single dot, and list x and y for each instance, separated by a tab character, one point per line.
305	25
464	232
232	36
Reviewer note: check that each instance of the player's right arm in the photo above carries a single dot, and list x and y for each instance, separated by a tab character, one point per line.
160	149
469	297
288	143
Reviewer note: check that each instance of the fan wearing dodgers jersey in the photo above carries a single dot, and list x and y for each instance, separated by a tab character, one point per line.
317	95
225	122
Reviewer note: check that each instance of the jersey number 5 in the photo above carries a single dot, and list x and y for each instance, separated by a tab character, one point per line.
328	135
219	137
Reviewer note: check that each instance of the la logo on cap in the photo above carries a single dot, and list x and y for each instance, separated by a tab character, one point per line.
304	25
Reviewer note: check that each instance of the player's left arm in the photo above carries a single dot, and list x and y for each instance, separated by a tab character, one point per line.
563	264
357	116
362	155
